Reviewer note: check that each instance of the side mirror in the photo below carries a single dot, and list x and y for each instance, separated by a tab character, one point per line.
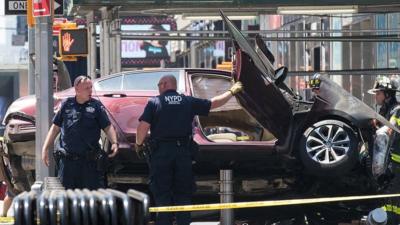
280	75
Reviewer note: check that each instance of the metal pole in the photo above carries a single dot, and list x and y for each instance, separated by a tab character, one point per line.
93	50
106	30
44	91
105	42
105	47
118	46
362	38
101	48
226	196
92	57
132	32
112	47
31	63
193	58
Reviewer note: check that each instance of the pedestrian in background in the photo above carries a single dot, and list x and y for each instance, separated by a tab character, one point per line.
7	202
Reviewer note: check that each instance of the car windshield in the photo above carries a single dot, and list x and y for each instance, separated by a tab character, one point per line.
138	81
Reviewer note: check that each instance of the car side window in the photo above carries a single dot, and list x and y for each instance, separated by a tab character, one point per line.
111	84
147	81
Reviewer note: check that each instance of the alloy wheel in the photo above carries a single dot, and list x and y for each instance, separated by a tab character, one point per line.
328	144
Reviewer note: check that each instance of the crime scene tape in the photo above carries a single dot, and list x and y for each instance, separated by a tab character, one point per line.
237	205
6	220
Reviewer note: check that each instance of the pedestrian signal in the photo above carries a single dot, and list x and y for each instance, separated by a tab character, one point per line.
73	42
225	66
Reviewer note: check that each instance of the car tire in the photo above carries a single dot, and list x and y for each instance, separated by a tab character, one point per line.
328	148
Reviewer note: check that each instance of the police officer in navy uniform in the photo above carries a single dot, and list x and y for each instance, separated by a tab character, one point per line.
80	120
169	118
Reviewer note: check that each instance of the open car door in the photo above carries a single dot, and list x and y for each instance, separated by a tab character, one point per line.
260	97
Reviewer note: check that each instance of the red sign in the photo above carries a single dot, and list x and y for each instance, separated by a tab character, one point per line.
41	8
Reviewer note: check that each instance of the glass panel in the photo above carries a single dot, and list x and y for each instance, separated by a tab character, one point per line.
111	84
394	47
148	81
381	46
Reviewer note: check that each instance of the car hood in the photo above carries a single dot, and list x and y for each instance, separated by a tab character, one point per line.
25	107
333	97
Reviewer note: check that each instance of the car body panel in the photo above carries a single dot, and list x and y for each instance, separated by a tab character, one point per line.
265	67
125	111
263	100
333	97
125	107
260	97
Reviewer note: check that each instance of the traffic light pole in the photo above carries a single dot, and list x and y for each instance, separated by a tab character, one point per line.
44	92
31	61
31	48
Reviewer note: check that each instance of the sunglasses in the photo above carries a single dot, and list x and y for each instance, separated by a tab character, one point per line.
80	79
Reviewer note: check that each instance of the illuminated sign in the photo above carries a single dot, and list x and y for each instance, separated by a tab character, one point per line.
146	53
73	42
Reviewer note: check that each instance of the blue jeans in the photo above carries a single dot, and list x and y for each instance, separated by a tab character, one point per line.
171	180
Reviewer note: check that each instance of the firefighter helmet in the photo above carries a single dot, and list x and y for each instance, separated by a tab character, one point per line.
315	81
386	84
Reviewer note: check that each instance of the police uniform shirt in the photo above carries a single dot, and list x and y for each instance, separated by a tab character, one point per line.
171	114
81	124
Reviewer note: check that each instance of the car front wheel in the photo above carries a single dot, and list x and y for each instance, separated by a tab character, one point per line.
329	147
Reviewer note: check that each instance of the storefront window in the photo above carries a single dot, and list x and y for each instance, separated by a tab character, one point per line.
381	46
393	46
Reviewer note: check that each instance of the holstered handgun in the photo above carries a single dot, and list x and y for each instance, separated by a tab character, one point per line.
149	146
102	161
194	149
58	155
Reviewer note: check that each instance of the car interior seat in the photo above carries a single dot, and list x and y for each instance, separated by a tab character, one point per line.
222	137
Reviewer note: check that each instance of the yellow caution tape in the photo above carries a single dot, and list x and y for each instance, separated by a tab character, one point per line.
6	220
395	157
237	205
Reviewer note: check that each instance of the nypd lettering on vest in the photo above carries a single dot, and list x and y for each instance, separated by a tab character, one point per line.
90	109
173	99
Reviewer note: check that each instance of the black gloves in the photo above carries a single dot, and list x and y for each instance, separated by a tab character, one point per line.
141	150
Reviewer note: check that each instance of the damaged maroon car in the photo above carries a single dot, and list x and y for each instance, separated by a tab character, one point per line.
267	132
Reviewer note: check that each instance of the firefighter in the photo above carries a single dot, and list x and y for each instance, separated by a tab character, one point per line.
315	83
386	149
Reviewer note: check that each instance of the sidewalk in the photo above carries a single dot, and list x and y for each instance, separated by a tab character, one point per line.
10	214
10	211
